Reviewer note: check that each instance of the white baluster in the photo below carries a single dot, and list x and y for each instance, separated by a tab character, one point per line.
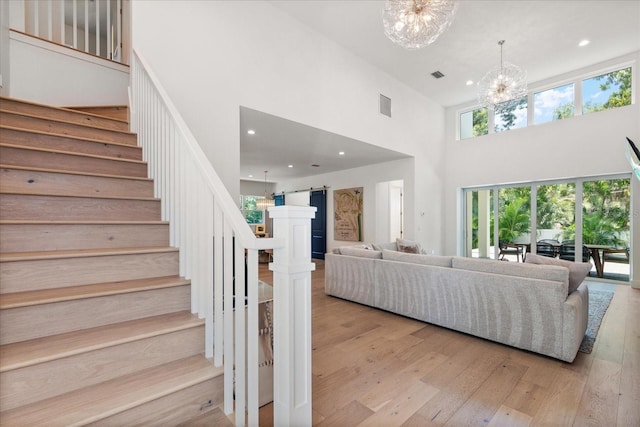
50	19
97	27
86	25
228	318
75	24
240	335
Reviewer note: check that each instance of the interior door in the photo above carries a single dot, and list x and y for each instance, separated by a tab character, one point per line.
319	224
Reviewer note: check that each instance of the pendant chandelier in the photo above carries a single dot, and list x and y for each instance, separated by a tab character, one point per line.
413	24
266	201
504	85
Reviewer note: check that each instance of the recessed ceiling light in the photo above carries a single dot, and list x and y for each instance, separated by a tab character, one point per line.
469	82
251	132
583	42
250	176
290	166
341	153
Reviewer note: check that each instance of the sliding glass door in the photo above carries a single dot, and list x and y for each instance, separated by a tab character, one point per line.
585	219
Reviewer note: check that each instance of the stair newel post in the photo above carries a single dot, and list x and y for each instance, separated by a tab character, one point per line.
292	269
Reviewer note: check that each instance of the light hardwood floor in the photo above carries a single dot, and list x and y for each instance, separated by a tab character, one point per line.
373	368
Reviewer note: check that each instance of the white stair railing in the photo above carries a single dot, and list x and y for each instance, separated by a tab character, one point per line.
214	240
91	26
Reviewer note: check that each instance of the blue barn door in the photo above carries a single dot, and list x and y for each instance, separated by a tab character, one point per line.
319	224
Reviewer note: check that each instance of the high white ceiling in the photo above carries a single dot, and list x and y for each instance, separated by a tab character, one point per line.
541	37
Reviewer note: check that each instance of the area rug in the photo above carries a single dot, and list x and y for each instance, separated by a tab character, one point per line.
598	303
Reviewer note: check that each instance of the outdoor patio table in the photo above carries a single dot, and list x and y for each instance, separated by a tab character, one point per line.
595	254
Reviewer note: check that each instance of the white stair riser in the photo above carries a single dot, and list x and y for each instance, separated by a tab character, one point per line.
53	237
63	115
25	323
20	276
12	156
24	386
27	138
53	208
62	128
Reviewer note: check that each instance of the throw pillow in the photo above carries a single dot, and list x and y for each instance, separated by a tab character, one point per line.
577	270
382	246
408	246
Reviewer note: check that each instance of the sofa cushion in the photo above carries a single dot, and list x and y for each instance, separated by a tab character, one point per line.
517	269
577	270
360	252
408	246
436	260
381	246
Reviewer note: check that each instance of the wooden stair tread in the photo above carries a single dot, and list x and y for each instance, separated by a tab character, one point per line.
40	350
92	196
57	120
62	135
38	222
96	402
72	153
48	296
68	172
81	253
71	110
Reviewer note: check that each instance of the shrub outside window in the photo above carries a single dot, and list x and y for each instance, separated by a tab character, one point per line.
474	123
249	210
606	91
554	104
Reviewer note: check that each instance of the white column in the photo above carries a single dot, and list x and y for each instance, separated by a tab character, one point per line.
292	269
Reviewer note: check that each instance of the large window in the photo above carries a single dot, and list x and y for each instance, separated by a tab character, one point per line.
588	219
601	92
513	115
554	104
474	123
606	91
251	213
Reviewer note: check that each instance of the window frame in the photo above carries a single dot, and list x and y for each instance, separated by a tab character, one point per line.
577	82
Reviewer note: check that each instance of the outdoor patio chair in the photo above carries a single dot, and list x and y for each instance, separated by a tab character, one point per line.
620	255
508	248
568	251
546	249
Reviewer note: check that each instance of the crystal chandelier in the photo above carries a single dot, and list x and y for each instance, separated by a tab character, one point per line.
266	201
413	24
504	85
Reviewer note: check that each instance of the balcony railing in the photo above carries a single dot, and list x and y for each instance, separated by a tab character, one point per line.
91	26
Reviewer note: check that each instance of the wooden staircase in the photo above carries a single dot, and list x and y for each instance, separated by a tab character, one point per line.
95	322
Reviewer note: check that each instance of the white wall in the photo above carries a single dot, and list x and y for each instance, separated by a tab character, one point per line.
4	48
256	188
52	74
587	145
218	56
367	177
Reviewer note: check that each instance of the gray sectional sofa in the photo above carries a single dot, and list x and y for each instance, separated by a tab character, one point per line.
521	305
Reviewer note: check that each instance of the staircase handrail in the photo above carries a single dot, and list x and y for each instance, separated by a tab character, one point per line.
213	233
240	225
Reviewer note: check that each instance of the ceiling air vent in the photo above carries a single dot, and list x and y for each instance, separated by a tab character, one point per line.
437	74
385	105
